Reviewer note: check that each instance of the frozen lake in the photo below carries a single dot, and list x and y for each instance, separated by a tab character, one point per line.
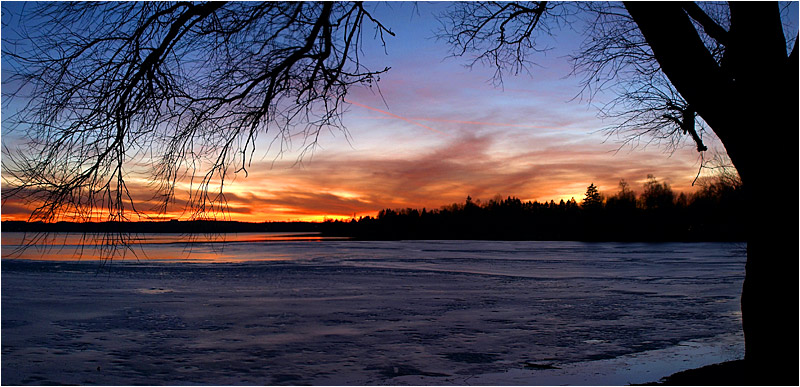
274	309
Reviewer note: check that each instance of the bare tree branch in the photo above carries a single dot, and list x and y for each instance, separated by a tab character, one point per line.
500	34
614	58
709	25
171	91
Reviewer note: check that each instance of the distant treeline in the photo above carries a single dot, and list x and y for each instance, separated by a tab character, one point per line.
174	226
713	213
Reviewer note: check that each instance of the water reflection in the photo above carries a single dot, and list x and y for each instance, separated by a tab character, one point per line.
161	247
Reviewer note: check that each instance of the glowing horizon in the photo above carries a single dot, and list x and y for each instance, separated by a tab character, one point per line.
434	134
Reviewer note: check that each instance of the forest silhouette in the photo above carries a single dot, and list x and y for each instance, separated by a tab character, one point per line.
713	213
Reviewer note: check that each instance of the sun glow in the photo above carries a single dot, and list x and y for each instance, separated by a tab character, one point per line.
522	140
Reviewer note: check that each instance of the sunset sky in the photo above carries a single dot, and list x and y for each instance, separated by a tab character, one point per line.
445	132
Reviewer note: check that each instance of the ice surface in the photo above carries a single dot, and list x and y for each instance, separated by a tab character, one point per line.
346	312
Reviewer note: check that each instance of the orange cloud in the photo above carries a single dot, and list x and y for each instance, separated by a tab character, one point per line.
345	182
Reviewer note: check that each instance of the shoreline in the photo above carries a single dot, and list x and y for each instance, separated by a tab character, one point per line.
661	366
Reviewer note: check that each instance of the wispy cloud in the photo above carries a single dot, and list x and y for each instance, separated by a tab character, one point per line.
342	183
521	140
394	116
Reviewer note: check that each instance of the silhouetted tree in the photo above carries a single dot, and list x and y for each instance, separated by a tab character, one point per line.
681	201
593	199
624	200
674	65
657	196
187	87
719	200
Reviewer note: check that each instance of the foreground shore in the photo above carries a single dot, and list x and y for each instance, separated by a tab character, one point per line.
729	373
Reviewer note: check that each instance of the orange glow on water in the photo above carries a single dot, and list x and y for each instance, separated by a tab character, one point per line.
150	247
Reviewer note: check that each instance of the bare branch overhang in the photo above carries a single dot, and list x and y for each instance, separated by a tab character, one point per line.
685	60
711	27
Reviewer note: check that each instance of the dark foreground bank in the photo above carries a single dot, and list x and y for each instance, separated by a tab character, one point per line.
730	373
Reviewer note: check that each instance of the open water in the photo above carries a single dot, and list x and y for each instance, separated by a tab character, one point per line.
294	309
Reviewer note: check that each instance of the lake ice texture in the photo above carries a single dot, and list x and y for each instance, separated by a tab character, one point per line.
258	309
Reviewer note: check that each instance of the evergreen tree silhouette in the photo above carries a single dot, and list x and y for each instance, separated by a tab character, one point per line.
593	200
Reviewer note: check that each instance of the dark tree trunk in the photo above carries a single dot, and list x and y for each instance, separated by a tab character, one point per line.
751	103
767	91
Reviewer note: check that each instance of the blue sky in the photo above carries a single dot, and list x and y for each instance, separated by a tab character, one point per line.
530	138
439	131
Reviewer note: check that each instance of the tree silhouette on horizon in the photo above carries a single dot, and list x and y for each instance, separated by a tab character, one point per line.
592	198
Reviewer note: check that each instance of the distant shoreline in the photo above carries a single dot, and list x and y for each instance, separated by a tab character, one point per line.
325	229
158	227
